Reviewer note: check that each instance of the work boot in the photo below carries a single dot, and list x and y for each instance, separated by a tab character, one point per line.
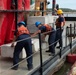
30	67
58	47
14	68
52	54
47	51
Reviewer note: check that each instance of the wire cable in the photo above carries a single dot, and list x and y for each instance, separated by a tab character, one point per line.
29	56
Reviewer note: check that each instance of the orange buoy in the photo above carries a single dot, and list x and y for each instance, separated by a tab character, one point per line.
71	58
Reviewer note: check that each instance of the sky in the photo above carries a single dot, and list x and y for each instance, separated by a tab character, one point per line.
64	3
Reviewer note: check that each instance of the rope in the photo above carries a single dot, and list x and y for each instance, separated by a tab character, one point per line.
26	58
25	10
19	40
34	24
50	45
18	63
50	31
29	56
28	38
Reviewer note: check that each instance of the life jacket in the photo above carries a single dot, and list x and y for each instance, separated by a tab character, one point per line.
57	23
22	30
48	27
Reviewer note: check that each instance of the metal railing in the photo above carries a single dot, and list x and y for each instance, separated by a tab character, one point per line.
71	32
68	29
39	36
40	51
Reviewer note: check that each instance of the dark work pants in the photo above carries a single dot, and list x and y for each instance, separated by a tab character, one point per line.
51	41
59	36
18	48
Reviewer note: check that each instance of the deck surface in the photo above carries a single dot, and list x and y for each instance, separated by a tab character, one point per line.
6	63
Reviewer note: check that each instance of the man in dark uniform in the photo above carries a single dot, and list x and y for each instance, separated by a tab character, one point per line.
60	22
45	28
21	34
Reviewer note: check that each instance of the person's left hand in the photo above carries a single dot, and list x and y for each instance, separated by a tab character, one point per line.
12	45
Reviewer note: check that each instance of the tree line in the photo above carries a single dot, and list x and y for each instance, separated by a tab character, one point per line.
64	9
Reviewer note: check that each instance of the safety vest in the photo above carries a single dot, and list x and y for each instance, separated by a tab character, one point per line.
48	27
22	30
57	23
